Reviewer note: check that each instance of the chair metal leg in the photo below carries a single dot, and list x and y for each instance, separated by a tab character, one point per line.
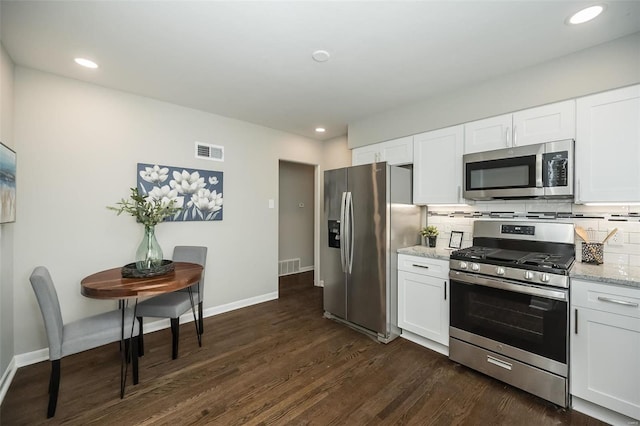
200	320
175	337
140	338
54	386
135	342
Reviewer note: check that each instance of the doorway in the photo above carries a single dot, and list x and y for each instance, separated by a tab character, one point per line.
296	218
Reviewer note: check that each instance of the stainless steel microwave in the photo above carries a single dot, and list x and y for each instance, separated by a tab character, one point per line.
532	171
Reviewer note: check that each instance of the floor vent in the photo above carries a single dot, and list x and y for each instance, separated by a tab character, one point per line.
289	266
209	152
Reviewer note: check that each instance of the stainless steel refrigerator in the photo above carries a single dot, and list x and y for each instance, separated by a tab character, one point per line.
368	215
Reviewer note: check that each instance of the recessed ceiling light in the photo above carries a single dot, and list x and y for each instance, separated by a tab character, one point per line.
86	63
320	130
585	15
320	56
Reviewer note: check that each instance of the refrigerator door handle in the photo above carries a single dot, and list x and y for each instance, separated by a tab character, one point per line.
351	232
343	226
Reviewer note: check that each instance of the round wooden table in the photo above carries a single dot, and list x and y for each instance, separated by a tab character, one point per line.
109	284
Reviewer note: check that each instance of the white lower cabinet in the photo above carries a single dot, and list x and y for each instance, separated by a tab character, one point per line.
423	301
605	349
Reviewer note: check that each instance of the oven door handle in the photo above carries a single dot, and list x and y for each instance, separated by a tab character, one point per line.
472	279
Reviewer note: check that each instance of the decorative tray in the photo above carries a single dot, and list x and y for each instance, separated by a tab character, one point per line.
130	271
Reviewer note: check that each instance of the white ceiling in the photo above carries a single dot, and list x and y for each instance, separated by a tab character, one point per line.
252	60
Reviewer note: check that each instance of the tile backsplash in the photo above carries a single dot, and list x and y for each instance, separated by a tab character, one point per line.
597	220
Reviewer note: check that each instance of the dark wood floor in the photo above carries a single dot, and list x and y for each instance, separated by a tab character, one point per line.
278	362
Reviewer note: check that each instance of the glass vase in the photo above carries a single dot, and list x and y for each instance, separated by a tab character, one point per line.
149	253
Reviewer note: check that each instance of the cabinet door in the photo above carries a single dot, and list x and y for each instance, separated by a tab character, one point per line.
545	124
398	151
437	166
608	146
365	155
605	354
490	133
423	308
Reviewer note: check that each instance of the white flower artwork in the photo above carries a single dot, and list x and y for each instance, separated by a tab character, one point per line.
197	192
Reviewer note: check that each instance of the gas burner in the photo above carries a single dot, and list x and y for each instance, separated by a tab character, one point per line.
545	260
473	252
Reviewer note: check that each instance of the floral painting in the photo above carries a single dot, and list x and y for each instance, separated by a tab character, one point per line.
197	192
7	184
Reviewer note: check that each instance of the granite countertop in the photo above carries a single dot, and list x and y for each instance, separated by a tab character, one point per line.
423	251
608	273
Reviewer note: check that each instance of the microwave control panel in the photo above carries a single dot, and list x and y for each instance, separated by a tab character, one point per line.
555	169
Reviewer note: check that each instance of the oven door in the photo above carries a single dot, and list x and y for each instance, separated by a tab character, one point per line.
504	173
525	322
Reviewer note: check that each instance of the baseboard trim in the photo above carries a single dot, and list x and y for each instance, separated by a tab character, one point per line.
7	377
32	357
429	344
161	324
39	355
601	413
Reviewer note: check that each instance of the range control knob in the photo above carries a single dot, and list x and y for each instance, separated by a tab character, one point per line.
545	278
475	267
463	265
528	275
500	270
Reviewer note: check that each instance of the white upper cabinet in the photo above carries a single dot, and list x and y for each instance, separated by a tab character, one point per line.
488	134
395	152
547	123
365	155
608	146
535	125
437	168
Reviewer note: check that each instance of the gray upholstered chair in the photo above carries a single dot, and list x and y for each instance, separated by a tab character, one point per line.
76	336
172	305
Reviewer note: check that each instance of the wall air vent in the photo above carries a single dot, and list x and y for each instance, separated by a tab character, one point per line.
209	152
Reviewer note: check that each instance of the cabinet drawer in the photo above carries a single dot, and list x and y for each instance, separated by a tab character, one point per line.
606	298
423	266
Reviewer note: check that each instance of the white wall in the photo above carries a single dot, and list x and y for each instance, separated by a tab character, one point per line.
6	230
78	147
607	66
296	230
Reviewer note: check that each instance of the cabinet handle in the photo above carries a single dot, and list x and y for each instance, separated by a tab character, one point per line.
445	290
515	135
420	266
617	301
506	136
576	321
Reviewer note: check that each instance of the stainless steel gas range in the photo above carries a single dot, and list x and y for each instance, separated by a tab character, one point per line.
510	304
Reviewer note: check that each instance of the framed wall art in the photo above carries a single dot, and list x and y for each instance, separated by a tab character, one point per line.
7	184
197	192
455	241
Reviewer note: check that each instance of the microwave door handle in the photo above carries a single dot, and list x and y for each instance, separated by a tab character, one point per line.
539	161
